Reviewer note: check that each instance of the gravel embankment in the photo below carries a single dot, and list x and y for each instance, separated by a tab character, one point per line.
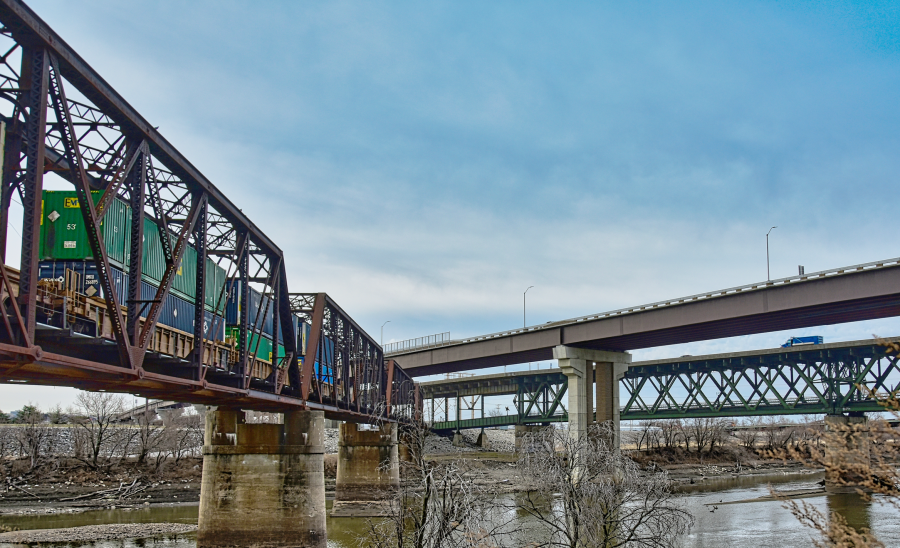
92	533
501	441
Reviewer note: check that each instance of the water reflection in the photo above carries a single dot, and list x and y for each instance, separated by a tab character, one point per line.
853	508
740	525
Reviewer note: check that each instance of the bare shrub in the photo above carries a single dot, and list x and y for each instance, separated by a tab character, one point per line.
585	493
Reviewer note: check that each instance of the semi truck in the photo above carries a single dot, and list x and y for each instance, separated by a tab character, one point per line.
802	341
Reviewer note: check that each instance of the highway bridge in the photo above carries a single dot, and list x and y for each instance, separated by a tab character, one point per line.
831	379
840	295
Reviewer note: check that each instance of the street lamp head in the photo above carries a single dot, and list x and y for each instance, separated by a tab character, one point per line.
529	287
770	230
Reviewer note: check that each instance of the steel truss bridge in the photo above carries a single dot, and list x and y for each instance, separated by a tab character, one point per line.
61	117
821	379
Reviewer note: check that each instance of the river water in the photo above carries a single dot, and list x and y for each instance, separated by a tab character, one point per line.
740	525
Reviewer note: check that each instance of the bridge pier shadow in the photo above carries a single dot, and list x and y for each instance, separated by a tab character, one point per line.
263	484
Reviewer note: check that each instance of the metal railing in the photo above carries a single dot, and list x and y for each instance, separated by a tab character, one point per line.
420	343
889	263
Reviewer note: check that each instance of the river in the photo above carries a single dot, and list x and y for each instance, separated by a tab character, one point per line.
741	525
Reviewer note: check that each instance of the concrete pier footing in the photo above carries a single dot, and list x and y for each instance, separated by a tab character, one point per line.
847	452
582	366
459	440
482	440
263	485
368	471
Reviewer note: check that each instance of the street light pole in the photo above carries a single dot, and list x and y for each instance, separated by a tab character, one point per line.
382	332
524	324
768	276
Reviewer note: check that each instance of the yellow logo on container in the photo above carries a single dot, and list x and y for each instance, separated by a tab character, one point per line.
70	203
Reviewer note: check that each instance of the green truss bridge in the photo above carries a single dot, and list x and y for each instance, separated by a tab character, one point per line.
819	379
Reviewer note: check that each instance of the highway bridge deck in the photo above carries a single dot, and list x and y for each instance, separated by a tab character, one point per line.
860	292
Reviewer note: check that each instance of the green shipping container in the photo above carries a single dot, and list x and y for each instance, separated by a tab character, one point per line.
265	344
64	237
185	282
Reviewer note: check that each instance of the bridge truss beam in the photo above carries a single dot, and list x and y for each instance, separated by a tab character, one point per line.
828	379
60	117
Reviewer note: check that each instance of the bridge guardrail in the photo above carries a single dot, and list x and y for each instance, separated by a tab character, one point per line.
889	263
418	343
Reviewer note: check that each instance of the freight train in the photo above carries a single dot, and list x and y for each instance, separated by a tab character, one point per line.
69	280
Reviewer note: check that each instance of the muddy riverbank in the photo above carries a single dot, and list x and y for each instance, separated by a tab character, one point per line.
74	490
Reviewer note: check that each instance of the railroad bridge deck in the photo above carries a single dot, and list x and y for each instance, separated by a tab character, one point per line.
830	378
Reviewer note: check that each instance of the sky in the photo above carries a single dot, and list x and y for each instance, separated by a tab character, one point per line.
425	163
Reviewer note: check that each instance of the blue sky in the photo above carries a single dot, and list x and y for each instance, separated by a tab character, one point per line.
424	163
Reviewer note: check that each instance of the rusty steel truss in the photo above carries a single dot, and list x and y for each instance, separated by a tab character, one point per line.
61	117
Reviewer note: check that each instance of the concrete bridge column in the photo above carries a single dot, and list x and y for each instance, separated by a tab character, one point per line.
263	485
368	471
577	364
846	452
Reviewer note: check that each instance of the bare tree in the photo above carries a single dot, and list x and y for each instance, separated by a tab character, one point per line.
671	433
57	415
150	437
776	434
436	506
584	493
704	431
184	435
718	433
7	443
34	436
645	434
93	415
748	433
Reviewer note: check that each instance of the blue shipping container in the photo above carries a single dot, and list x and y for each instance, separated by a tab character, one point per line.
176	312
256	300
89	280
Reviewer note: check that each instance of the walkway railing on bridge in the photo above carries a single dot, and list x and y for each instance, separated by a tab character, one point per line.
419	343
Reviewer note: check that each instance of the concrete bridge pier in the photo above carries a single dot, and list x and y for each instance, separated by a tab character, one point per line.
368	471
582	366
263	485
846	452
